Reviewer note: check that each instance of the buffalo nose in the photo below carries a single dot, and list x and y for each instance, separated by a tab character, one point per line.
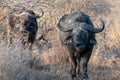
76	44
80	44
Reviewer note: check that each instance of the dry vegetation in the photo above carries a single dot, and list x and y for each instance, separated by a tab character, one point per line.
49	60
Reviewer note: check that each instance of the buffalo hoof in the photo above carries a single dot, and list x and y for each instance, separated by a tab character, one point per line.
79	75
74	78
86	79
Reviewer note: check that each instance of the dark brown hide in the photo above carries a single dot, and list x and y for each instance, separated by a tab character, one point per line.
24	24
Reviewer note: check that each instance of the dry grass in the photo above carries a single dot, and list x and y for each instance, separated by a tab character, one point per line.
50	59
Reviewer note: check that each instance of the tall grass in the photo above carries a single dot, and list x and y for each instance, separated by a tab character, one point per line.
50	59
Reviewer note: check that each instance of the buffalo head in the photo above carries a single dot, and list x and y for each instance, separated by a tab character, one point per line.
79	32
80	37
20	21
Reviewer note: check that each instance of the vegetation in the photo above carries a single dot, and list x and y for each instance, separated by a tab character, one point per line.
49	60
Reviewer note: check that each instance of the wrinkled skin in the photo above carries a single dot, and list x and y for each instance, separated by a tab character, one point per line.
24	23
78	42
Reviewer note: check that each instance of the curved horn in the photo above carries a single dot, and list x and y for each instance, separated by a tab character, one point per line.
95	30
62	28
42	13
32	14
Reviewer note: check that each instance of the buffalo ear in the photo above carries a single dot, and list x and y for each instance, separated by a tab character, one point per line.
11	20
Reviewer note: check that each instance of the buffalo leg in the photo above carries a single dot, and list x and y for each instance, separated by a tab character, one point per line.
73	64
85	63
9	37
30	46
85	60
78	65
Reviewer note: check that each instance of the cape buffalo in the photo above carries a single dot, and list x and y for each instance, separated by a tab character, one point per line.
24	23
78	39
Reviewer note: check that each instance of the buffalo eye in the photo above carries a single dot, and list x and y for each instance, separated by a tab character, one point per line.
77	20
